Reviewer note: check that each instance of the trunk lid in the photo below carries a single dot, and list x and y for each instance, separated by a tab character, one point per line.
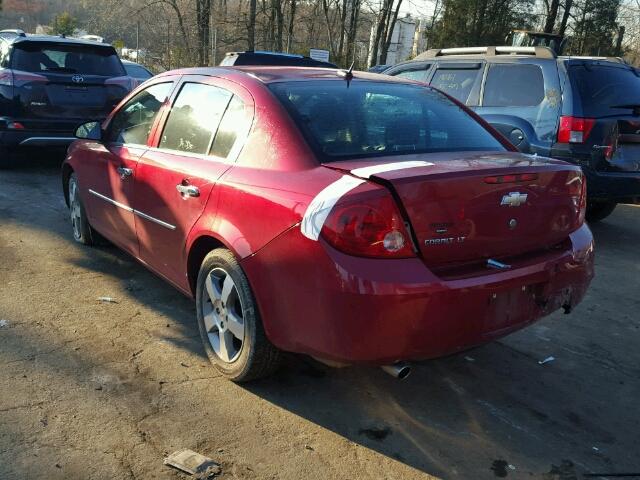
458	217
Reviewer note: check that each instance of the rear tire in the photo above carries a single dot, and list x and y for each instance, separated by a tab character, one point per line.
597	211
7	158
229	321
82	231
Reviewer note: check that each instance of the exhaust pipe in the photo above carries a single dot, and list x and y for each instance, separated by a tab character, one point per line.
398	370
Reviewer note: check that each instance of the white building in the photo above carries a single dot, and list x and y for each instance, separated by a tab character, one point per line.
407	40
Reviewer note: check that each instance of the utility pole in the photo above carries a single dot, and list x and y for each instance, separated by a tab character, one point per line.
138	42
215	46
168	44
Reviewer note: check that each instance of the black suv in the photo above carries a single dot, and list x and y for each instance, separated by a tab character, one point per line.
278	59
50	85
584	110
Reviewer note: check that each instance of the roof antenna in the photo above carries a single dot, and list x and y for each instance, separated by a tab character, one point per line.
347	74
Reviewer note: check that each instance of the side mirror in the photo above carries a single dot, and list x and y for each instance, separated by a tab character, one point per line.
89	131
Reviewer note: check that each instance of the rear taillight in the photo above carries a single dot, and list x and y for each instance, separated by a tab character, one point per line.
6	78
577	185
574	129
371	227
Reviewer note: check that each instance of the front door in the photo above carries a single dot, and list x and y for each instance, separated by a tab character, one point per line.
196	146
111	175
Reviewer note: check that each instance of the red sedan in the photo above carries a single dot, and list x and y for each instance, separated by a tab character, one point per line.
352	217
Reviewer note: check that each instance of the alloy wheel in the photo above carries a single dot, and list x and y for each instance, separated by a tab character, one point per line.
74	209
223	315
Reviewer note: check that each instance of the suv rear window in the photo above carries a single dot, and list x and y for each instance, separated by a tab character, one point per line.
40	57
367	119
602	87
513	86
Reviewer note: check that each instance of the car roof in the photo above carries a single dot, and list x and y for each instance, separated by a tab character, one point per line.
270	74
56	39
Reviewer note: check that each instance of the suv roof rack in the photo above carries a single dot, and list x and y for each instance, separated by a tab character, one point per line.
586	57
542	52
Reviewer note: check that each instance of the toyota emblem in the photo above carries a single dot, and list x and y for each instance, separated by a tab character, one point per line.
77	79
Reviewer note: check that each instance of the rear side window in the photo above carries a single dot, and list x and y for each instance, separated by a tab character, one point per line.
194	118
379	118
513	86
602	88
455	82
38	57
232	126
132	123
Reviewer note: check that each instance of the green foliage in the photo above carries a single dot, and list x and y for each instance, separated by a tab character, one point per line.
64	24
466	23
595	29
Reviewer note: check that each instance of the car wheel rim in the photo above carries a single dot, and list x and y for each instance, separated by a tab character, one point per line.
223	315
74	209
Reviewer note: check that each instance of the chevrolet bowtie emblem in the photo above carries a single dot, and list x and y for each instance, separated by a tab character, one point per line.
514	199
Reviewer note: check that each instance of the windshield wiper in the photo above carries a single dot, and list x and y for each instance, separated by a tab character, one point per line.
61	69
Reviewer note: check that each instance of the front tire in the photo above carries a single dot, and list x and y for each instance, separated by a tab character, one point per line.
597	211
229	321
82	232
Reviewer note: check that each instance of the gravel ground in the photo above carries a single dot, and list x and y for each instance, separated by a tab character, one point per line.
93	390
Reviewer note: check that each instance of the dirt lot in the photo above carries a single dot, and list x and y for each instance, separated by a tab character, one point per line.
92	390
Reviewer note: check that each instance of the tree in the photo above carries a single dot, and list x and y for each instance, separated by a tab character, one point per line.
64	24
552	14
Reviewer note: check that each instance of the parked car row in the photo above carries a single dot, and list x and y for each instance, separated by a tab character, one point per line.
584	110
49	85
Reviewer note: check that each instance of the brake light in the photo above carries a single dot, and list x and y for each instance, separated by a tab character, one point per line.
372	227
575	129
521	177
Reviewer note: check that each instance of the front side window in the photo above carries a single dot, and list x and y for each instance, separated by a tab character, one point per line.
367	119
194	118
132	123
456	82
418	75
513	86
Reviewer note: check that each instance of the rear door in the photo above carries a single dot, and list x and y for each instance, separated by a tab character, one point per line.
522	101
59	85
200	139
111	173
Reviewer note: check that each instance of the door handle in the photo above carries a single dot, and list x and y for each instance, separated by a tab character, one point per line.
188	190
124	172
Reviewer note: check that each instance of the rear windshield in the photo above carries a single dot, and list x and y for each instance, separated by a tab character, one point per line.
365	119
85	60
602	88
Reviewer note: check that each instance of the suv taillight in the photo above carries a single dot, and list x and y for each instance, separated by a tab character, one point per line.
368	227
574	129
6	78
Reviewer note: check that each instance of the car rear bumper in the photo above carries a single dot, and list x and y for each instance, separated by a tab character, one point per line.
317	301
